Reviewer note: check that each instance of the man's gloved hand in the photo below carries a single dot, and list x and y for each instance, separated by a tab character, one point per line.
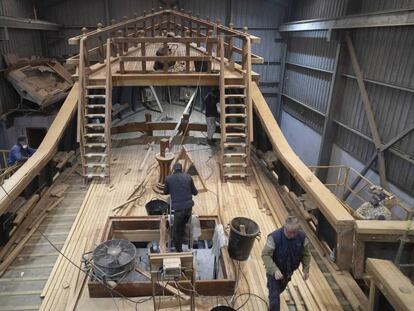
278	275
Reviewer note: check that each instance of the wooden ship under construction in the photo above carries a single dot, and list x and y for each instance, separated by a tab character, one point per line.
121	167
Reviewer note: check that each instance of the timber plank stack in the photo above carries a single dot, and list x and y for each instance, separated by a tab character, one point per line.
23	281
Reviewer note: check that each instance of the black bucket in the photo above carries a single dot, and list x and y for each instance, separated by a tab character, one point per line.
156	207
222	308
241	244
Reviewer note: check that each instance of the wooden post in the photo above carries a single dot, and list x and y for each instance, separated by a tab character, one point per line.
101	50
144	24
114	46
182	23
245	51
148	119
164	144
187	53
209	50
166	51
135	30
126	44
198	30
229	54
190	23
160	18
143	51
121	53
152	23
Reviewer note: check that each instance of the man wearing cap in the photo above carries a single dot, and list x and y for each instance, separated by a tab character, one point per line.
180	186
20	152
285	249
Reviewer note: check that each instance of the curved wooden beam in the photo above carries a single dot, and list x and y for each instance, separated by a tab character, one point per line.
47	149
336	214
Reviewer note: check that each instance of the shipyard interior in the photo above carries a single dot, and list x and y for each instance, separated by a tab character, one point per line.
206	155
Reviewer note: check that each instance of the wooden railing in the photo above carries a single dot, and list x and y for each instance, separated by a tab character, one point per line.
133	34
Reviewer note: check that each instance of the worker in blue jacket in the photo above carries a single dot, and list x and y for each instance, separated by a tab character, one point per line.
180	186
20	152
285	249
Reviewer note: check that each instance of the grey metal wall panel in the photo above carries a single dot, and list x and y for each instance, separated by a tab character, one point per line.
368	6
269	48
393	110
310	118
311	52
78	13
120	8
268	73
215	9
258	13
17	8
386	54
308	86
311	9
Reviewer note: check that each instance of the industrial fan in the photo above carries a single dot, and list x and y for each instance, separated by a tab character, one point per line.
113	259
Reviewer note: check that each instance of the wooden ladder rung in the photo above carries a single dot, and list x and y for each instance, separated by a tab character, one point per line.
234	96
95	115
92	125
90	155
94	135
231	175
95	87
95	165
92	106
234	106
235	115
235	135
94	145
235	125
235	155
229	86
95	96
244	165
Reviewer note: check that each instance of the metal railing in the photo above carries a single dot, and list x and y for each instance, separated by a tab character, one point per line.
344	176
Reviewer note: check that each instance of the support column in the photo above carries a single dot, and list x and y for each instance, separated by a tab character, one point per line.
368	110
278	112
329	127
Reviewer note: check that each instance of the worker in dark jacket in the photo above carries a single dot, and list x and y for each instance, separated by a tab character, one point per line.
180	186
20	152
285	249
210	101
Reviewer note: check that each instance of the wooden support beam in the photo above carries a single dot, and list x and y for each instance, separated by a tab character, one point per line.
368	110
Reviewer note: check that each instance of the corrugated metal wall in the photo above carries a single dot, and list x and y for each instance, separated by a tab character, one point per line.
22	42
386	58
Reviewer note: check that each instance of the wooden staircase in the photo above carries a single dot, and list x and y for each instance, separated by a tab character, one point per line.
235	126
95	107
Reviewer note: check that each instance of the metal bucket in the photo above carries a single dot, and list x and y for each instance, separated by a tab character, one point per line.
156	207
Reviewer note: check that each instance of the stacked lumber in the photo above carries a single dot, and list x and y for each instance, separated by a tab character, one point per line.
62	159
29	217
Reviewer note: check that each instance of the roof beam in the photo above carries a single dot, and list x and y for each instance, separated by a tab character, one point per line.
381	19
27	23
